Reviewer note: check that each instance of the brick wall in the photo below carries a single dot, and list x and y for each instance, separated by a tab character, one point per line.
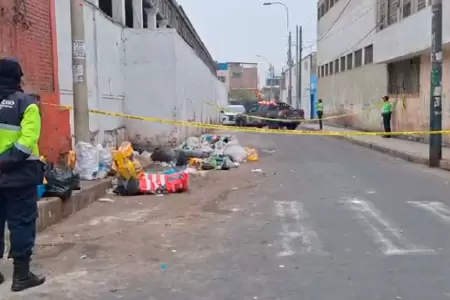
27	31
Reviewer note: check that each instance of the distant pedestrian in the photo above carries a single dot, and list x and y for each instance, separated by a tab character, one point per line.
21	172
386	114
319	109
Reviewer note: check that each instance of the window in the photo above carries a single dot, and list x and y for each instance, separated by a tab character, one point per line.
254	108
331	3
343	64
421	4
406	8
322	10
336	66
331	68
404	76
358	58
326	70
350	61
368	55
236	74
106	7
222	78
318	72
322	71
327	5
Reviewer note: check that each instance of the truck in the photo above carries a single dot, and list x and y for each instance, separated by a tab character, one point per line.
274	115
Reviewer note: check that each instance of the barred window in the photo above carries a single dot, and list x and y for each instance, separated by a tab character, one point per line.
368	55
358	58
350	61
421	4
326	70
343	64
404	76
331	68
336	66
322	71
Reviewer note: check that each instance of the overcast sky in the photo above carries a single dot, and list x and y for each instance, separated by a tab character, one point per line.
239	30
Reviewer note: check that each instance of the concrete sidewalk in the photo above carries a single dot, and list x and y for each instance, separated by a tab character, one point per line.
415	152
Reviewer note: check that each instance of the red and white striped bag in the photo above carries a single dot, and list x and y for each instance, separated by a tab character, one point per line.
150	183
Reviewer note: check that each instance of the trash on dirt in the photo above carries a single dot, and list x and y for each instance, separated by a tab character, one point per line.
83	257
257	171
106	200
151	183
59	182
252	154
105	161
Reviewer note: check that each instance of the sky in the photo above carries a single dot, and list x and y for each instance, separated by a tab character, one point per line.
240	30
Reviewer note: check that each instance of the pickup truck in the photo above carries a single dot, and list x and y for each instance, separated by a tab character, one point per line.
260	115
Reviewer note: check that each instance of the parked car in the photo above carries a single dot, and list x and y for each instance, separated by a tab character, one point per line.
230	112
283	115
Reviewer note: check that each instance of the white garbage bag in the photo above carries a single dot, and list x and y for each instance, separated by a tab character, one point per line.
237	153
87	165
105	161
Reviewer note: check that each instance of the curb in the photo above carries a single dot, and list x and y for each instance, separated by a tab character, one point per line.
444	164
54	210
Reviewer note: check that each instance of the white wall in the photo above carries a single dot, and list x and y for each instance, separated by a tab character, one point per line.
410	35
104	65
140	72
305	102
166	79
358	19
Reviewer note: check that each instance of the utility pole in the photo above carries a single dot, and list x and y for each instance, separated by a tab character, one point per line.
80	91
290	68
436	84
299	65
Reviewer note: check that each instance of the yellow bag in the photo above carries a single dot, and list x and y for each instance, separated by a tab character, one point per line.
252	154
72	159
126	149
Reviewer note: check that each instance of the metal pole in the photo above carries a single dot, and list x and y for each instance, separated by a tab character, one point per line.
299	78
272	96
80	91
297	39
290	68
436	84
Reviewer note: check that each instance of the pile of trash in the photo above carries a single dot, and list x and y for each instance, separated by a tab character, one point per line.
194	156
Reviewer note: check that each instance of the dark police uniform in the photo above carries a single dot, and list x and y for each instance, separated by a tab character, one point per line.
21	172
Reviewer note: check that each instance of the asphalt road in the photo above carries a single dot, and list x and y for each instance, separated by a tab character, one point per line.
325	220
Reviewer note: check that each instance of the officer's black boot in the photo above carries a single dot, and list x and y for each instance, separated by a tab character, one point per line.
2	278
22	277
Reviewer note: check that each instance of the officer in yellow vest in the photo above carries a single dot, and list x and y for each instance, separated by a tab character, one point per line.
319	109
21	172
386	114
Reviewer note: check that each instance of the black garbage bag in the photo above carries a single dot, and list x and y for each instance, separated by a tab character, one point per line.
167	155
62	177
58	190
127	187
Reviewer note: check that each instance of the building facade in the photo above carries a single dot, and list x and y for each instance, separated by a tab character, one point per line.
239	76
376	48
307	98
28	32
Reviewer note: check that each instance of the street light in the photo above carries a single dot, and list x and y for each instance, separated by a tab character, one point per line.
271	74
289	52
285	7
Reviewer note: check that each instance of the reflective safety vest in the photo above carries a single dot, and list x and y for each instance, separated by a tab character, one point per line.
20	129
386	108
319	106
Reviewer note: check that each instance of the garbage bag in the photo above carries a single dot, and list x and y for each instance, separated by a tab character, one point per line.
252	154
87	164
61	177
150	183
126	168
167	155
57	190
105	161
128	187
236	152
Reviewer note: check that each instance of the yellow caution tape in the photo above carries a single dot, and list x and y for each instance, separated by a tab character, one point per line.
304	120
253	129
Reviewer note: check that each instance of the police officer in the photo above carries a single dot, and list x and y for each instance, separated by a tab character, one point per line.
386	114
319	109
21	172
